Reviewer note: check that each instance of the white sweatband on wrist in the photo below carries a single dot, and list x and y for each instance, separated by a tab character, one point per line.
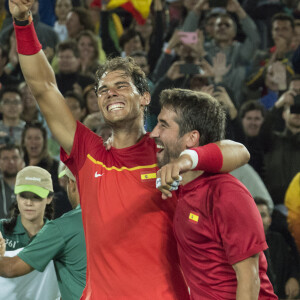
193	155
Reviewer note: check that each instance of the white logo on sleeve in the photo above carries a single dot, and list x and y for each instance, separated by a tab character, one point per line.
98	175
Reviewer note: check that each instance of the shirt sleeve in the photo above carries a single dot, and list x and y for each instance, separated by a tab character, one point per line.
238	223
44	247
84	141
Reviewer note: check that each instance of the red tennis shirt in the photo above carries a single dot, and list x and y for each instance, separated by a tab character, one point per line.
217	224
131	249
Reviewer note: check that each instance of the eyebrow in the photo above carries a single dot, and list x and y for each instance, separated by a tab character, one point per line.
163	122
117	83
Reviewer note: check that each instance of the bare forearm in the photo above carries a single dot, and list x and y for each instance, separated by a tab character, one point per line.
234	154
248	289
11	267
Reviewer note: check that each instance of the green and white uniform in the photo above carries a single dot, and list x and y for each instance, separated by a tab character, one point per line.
19	237
61	240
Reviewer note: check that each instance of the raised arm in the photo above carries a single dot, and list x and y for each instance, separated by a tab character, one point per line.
40	76
220	157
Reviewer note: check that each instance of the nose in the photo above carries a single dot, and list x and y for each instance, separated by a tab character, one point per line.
112	92
28	202
154	133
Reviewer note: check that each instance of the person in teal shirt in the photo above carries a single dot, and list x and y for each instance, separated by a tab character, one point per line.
61	240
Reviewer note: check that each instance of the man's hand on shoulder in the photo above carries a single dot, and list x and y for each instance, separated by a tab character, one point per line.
20	8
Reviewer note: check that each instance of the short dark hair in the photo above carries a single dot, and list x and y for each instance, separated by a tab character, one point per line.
68	45
9	147
251	105
262	201
75	96
84	17
130	68
128	35
10	89
283	17
196	111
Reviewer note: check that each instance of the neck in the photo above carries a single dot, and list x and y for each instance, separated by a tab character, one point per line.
129	135
10	181
34	161
10	122
190	176
33	227
224	44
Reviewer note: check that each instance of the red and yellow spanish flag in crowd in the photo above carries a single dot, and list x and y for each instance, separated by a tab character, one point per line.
138	8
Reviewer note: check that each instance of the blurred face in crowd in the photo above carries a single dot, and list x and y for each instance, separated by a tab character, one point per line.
296	37
62	8
209	27
265	216
146	29
224	30
132	45
252	122
34	142
67	62
11	105
270	81
282	29
86	48
11	162
75	108
73	24
292	121
92	102
28	99
143	63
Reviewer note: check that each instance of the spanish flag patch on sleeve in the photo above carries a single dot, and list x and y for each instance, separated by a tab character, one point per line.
193	217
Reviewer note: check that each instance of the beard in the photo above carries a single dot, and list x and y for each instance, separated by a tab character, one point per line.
10	174
169	154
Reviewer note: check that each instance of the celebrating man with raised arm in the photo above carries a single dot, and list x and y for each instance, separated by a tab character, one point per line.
131	250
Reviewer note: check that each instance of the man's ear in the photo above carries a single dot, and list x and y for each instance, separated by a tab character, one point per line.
146	98
192	139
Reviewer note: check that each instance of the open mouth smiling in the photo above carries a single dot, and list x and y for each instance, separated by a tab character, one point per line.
115	106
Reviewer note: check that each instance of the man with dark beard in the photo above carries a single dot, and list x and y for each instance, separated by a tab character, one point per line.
11	162
219	231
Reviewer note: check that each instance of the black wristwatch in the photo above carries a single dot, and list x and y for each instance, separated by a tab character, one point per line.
24	22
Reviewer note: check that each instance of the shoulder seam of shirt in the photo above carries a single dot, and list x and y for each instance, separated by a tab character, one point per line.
119	169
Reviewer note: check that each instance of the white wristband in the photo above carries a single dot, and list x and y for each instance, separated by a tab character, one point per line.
193	155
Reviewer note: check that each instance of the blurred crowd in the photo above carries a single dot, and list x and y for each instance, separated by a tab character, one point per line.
245	53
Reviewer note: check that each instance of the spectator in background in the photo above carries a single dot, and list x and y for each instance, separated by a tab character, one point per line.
237	54
131	41
90	100
88	52
282	266
62	8
11	125
247	129
79	19
33	209
292	203
282	34
61	240
68	77
34	145
282	159
5	78
76	105
11	162
47	36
